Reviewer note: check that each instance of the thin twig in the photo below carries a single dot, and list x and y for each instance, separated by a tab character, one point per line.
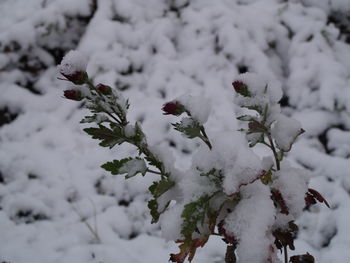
273	148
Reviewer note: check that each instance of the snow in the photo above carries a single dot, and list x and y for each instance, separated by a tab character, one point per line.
285	130
292	183
155	53
73	62
239	164
129	130
198	106
250	222
133	166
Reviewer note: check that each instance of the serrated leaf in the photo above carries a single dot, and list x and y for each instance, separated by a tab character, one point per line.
128	166
193	214
189	127
96	118
155	162
109	138
160	187
312	195
157	189
139	135
214	176
188	249
207	174
153	207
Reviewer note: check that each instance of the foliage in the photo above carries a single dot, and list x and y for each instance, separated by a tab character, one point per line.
213	209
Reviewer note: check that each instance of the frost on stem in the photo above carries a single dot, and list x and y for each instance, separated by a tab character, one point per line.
228	190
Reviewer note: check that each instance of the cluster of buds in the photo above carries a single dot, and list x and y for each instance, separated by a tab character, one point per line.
73	68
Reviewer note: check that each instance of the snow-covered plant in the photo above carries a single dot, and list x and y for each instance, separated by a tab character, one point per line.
229	191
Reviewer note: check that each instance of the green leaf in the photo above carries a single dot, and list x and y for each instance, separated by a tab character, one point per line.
139	135
128	166
154	162
254	107
160	187
96	118
153	207
189	127
109	138
246	118
214	176
157	189
193	214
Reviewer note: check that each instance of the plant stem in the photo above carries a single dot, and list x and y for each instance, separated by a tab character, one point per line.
230	256
91	86
205	138
273	148
285	254
154	172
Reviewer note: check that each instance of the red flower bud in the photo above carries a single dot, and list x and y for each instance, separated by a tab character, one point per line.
241	88
73	95
104	89
78	77
73	67
173	108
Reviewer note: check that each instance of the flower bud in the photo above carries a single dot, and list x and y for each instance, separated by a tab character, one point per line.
73	94
77	78
173	108
241	88
104	89
73	67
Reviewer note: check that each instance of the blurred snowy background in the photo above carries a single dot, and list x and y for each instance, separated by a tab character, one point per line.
57	204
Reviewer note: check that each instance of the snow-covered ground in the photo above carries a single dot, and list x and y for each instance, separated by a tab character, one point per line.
58	205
